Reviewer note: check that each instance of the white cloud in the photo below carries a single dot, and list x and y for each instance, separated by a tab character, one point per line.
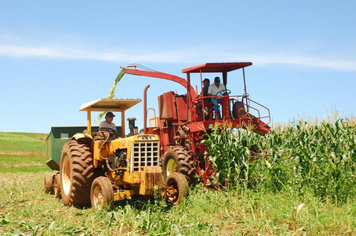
198	54
313	61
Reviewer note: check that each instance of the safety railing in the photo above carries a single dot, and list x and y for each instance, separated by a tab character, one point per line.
249	105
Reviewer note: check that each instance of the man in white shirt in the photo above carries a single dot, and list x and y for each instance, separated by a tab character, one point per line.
213	90
108	125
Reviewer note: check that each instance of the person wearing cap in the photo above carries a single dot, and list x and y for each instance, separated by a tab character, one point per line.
108	125
206	83
213	90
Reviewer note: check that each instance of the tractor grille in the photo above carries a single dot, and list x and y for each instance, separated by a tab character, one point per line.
144	154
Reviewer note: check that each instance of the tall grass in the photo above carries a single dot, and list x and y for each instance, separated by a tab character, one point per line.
303	157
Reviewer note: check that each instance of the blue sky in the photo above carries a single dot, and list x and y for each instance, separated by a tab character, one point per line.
54	56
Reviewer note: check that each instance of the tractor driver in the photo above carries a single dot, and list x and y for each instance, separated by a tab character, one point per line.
213	90
109	126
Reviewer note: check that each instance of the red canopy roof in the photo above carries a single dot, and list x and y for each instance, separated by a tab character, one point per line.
216	67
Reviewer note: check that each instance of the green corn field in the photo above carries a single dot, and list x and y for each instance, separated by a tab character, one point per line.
305	156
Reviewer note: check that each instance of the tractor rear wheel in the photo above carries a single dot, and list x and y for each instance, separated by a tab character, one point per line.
48	183
176	188
102	194
57	186
178	159
76	174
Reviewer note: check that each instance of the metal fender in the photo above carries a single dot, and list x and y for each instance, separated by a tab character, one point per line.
81	136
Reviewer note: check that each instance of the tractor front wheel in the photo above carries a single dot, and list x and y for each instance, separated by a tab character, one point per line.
101	194
176	188
76	174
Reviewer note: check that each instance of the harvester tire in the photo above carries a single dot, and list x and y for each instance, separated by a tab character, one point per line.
101	194
48	184
176	188
179	159
57	186
76	174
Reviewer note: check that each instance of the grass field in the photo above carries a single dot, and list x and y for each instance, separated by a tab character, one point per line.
22	142
26	210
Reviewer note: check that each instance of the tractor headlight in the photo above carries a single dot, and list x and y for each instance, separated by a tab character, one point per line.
146	137
211	126
86	132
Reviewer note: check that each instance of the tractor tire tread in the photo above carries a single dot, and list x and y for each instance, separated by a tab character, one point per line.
184	161
82	174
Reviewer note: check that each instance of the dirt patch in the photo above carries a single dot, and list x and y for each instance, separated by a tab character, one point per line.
37	154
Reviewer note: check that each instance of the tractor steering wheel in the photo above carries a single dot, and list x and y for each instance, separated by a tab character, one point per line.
111	131
107	129
223	92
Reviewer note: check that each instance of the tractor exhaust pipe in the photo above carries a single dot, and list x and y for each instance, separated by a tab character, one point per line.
145	109
132	126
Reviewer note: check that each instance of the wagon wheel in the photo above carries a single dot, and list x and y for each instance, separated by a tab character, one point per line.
76	174
57	186
48	183
102	194
178	159
176	188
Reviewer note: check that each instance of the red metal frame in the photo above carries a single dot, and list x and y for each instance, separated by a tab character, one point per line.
156	74
179	123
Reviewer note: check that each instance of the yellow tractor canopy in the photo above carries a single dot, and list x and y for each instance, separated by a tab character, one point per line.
105	105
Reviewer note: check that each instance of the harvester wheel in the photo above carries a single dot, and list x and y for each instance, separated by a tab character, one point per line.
178	159
57	186
176	188
102	194
76	174
48	183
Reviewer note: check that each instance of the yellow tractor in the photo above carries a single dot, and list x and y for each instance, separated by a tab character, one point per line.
93	169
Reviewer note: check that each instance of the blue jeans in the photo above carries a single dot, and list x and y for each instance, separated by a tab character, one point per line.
216	103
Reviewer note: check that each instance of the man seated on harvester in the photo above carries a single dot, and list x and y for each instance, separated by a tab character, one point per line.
214	90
